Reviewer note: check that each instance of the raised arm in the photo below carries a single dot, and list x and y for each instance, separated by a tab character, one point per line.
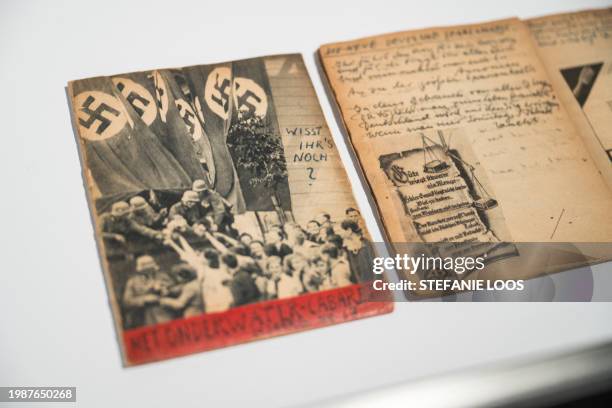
216	243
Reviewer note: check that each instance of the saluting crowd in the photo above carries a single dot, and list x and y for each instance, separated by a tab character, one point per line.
232	268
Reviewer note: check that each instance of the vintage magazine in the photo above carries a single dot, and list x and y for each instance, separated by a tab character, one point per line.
222	211
488	133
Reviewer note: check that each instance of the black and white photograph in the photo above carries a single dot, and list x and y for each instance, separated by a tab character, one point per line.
203	202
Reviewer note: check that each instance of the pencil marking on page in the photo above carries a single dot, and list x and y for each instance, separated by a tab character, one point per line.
557	225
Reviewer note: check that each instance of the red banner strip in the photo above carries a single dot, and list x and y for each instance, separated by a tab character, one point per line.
251	322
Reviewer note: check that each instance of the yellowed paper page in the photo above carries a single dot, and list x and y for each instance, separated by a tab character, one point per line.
576	49
462	137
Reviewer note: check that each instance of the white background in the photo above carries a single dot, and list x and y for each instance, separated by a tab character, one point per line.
55	323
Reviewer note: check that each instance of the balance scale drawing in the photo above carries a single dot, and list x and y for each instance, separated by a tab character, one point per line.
432	164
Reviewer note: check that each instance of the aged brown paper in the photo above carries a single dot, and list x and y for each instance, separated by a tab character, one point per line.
424	107
576	49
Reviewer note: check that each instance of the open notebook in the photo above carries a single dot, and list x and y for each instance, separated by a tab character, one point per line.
494	132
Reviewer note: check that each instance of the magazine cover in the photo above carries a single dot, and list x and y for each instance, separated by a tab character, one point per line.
223	213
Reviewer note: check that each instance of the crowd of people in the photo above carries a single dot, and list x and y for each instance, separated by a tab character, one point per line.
233	268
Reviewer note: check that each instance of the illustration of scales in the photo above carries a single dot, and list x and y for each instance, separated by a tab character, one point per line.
432	164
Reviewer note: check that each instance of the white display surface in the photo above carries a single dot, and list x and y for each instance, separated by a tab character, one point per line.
55	323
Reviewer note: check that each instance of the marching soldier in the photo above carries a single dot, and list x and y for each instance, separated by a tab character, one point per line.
187	208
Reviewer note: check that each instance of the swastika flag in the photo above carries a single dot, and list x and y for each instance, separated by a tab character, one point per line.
124	156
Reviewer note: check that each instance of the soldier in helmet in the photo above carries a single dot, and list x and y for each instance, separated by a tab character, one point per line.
143	214
199	186
187	208
142	293
117	226
216	207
